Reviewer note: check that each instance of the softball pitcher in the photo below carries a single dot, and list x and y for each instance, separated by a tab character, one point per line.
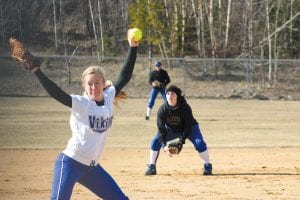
91	117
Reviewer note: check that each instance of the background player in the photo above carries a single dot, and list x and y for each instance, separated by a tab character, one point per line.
175	120
158	79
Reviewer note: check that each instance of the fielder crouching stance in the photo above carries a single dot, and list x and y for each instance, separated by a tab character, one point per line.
91	117
175	120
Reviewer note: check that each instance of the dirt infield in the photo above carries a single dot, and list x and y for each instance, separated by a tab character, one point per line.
254	147
270	173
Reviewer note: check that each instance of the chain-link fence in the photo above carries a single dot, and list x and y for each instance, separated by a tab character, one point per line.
201	78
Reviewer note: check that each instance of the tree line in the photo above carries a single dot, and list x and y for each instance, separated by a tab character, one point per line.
249	29
175	28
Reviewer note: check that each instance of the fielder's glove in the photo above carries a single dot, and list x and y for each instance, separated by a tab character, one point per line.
23	57
175	146
156	84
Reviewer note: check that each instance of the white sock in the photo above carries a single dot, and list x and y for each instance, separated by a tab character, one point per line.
148	112
205	156
153	157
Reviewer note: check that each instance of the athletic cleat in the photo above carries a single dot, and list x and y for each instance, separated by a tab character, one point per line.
151	170
207	169
147	117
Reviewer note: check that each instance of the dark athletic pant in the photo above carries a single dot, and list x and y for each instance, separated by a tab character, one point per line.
195	137
68	171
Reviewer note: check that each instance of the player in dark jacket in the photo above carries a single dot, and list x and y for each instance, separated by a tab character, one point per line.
175	120
158	79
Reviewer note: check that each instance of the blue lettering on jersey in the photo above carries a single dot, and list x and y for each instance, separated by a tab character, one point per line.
100	124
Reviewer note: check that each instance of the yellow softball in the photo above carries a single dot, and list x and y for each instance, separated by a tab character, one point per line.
135	34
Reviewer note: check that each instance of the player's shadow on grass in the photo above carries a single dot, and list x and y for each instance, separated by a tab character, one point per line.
257	174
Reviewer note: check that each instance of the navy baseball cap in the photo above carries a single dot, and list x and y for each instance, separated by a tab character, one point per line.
158	64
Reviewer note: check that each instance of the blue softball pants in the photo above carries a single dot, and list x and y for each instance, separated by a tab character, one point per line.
195	137
67	172
153	95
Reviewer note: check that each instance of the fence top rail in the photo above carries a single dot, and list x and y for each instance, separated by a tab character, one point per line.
182	59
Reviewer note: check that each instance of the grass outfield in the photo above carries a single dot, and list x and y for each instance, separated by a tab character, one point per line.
43	123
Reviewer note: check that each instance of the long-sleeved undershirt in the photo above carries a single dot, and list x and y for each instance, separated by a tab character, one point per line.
64	98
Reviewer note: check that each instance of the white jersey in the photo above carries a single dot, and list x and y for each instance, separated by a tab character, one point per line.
89	125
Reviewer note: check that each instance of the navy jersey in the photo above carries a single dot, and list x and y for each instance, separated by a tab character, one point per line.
161	76
178	119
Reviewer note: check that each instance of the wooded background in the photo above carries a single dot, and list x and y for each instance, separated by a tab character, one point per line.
172	28
257	40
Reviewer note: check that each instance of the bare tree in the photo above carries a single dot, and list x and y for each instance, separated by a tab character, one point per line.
219	24
282	27
249	66
167	13
204	68
101	31
54	21
227	23
149	42
175	25
95	32
269	40
291	26
227	66
199	21
61	22
275	48
62	25
198	28
158	31
212	33
183	24
2	23
168	24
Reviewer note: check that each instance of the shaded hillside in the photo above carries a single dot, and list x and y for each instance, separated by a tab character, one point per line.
15	81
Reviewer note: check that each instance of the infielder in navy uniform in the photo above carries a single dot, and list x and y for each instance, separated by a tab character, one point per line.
91	117
175	120
158	79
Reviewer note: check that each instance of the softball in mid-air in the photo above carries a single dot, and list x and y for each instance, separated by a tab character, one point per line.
135	34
